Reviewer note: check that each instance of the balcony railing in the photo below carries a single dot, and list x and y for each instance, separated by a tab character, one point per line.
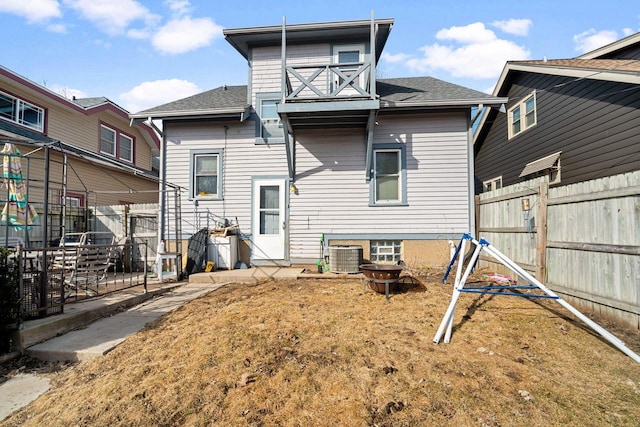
328	82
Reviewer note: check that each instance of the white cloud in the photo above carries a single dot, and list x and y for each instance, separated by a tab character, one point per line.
627	32
113	16
517	27
185	34
475	52
68	92
179	7
151	94
398	57
32	10
57	28
591	39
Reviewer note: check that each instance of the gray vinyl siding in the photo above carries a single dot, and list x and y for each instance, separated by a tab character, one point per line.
332	192
242	159
594	123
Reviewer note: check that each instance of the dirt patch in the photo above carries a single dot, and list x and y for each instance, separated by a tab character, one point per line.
330	352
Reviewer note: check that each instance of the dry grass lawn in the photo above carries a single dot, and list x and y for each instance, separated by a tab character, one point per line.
330	353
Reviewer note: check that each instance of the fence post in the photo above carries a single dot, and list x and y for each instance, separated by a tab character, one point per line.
477	213
541	233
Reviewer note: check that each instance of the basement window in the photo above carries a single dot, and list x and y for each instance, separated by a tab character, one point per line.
389	251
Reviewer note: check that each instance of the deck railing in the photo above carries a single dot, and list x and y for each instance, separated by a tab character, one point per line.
328	82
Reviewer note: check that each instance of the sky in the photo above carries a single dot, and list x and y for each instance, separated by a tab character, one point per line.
144	53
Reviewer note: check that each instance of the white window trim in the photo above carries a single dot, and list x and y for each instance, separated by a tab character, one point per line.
523	115
130	139
493	182
336	60
17	108
115	140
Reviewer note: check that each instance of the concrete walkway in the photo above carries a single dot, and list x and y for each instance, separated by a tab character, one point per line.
103	335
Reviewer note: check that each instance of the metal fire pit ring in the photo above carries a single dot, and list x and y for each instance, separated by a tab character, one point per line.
381	274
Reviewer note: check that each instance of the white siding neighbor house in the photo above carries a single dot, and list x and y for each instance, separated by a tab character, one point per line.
316	151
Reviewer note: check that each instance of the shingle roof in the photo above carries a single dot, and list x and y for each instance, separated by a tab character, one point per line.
90	102
426	89
393	92
218	99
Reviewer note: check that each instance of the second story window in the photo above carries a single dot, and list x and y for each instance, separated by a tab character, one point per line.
21	112
522	116
107	141
270	128
126	148
116	144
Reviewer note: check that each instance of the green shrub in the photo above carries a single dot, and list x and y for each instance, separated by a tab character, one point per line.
9	299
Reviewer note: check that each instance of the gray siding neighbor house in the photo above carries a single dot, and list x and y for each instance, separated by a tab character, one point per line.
317	151
572	119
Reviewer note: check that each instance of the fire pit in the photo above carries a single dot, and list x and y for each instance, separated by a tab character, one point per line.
381	278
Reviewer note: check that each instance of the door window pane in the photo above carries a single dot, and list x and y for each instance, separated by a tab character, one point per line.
270	209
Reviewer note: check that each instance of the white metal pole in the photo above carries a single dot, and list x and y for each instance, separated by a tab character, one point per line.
599	329
448	317
463	247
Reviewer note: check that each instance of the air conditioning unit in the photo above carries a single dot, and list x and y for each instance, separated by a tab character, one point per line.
345	259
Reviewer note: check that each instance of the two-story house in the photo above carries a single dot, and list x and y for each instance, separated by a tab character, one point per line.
75	153
317	149
572	119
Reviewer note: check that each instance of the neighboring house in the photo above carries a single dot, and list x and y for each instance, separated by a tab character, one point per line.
317	148
572	119
108	160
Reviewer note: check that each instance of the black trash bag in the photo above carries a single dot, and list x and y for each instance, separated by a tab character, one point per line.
196	252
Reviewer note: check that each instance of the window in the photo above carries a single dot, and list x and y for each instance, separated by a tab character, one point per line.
116	144
385	251
21	112
107	141
206	174
73	200
388	184
492	184
270	128
522	116
126	148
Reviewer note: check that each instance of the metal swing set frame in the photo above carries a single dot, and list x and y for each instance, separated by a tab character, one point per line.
446	325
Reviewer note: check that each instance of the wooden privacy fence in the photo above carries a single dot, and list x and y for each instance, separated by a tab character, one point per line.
582	240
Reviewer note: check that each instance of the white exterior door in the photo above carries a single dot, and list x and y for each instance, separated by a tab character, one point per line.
269	223
352	56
